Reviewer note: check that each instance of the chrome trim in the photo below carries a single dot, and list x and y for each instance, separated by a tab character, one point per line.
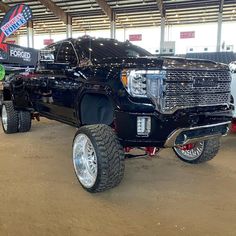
188	107
170	142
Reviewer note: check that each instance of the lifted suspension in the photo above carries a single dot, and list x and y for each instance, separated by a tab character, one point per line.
150	152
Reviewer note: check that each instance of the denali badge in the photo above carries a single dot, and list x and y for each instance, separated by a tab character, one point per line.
205	82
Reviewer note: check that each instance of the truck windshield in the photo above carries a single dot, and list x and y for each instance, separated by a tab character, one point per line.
100	49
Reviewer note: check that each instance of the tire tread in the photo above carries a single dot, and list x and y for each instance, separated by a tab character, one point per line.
12	126
110	156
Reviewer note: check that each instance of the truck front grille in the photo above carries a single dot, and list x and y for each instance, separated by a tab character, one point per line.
195	88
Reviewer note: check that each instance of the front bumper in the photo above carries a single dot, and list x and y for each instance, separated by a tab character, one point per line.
189	135
172	130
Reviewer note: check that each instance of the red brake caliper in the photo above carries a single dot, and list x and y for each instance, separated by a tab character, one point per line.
187	147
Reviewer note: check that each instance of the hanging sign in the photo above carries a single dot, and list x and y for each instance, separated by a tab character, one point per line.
48	41
187	35
16	17
135	37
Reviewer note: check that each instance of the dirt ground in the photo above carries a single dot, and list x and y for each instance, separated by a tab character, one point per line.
40	195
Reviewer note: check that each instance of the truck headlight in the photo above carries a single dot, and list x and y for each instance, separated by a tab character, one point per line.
144	83
135	82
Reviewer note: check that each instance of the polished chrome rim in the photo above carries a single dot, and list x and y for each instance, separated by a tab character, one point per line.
4	117
191	154
85	160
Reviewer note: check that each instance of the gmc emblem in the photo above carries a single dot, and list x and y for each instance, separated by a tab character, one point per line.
205	82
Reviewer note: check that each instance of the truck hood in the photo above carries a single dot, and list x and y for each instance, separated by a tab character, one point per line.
161	63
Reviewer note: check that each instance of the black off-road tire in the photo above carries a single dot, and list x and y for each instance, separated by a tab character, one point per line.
110	156
24	121
210	150
12	118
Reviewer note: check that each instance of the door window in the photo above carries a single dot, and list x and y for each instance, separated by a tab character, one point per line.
54	48
67	54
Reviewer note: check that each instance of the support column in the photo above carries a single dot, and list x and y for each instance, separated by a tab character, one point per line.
69	27
30	34
219	29
113	25
162	34
124	34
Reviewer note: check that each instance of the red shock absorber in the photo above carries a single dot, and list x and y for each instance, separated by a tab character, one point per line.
150	151
233	125
127	149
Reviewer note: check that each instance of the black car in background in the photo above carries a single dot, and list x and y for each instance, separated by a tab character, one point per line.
121	97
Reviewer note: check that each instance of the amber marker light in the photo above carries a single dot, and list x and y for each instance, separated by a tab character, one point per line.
124	78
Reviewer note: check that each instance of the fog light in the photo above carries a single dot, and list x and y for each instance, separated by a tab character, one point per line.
143	125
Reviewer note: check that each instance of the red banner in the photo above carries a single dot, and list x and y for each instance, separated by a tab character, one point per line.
10	41
135	37
48	41
187	35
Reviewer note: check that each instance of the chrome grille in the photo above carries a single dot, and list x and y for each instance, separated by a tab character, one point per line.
195	88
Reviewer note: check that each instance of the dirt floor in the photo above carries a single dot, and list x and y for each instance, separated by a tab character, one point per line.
40	195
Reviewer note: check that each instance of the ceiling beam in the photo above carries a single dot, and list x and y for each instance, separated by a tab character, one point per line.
105	7
4	7
161	8
56	10
108	11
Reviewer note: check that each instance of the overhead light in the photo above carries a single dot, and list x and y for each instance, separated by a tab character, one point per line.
46	11
127	19
233	11
176	15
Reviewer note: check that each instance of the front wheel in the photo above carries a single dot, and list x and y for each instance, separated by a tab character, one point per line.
98	158
198	152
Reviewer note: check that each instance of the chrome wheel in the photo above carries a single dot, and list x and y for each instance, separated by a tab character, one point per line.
85	160
4	117
190	153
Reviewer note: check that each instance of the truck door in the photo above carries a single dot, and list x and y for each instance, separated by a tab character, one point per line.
63	86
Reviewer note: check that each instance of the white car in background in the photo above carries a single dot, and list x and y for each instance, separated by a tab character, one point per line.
232	66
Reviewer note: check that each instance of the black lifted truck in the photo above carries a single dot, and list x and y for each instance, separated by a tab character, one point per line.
119	97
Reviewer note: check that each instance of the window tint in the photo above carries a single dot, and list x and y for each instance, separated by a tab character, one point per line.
67	54
54	48
100	49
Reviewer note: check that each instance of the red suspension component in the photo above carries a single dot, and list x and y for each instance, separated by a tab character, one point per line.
187	147
128	149
233	126
150	151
